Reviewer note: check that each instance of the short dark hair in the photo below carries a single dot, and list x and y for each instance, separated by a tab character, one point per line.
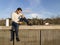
19	9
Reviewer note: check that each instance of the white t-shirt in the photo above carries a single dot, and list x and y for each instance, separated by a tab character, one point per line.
15	17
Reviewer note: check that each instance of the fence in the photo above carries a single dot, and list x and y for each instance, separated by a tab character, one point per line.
32	35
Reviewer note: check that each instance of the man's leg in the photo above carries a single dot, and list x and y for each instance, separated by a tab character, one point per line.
16	31
24	19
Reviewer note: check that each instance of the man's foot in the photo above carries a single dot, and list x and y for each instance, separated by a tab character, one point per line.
11	39
17	39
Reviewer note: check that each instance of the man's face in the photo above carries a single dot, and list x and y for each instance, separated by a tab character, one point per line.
19	11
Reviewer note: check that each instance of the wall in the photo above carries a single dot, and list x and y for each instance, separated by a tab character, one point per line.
32	37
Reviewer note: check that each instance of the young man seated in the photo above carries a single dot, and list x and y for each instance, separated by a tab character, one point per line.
17	18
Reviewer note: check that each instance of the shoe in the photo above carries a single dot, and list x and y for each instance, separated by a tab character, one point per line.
17	39
11	39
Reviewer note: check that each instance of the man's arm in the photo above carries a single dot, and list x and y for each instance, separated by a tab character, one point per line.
21	15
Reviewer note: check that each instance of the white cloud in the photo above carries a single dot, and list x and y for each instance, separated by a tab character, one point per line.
34	15
34	3
27	10
42	14
47	14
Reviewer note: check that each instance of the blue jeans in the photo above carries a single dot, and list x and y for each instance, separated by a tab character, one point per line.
15	27
24	19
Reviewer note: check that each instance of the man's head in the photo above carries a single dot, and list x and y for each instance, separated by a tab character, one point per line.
19	10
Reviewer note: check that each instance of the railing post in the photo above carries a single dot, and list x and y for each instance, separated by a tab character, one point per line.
13	37
40	37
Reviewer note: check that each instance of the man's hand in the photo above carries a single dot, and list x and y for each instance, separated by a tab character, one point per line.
20	22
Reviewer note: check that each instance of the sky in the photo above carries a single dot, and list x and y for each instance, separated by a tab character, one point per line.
31	8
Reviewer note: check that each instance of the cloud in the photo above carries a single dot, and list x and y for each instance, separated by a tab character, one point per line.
34	15
42	14
27	10
47	14
34	3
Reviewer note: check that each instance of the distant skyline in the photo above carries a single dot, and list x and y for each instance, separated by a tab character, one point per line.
31	8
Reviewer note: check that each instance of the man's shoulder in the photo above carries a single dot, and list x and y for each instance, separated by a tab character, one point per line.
13	13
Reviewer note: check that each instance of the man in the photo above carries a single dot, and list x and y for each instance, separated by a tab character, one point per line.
17	18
